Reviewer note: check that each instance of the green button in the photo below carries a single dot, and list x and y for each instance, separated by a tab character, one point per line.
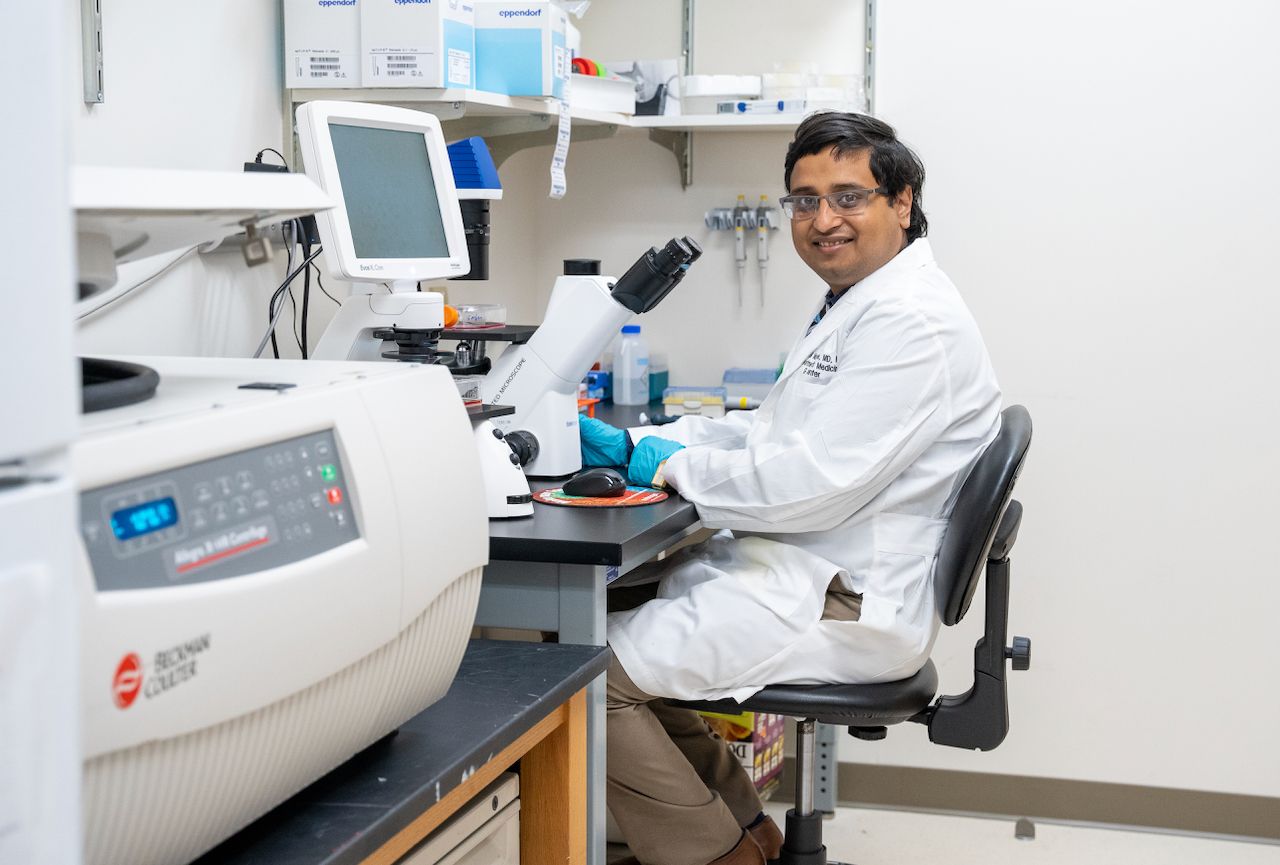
328	472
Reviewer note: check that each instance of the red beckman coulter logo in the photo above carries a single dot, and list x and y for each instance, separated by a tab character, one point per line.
128	681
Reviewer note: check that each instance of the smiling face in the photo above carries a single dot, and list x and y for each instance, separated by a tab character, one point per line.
843	249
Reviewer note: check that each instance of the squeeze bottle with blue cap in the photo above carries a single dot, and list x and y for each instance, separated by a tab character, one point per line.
631	368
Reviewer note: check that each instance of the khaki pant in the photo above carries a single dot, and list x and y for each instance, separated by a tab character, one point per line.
674	787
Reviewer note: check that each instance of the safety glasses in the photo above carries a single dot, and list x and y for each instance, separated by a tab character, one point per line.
845	202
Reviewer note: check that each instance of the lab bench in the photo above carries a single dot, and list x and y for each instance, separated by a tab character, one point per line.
550	572
510	702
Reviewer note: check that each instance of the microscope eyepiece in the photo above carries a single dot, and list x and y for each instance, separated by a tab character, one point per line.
655	273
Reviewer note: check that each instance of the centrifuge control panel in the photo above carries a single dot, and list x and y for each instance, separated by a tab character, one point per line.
226	517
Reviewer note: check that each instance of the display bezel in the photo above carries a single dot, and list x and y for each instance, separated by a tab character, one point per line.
335	228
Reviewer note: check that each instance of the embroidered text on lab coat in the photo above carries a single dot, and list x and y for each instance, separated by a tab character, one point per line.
818	367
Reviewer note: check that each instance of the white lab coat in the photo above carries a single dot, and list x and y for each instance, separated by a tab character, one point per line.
848	469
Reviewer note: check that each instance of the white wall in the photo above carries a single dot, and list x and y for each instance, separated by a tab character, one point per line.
1102	187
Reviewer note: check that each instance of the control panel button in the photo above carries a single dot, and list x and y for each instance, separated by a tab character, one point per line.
334	494
204	492
244	480
328	472
219	511
199	519
260	499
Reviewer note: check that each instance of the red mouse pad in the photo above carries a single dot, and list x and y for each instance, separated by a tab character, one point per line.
632	497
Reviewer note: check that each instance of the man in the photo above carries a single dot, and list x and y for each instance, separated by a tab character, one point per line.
833	496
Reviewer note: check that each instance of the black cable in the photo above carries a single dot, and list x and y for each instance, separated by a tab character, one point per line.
279	293
271	304
271	317
320	284
293	319
283	161
306	301
306	289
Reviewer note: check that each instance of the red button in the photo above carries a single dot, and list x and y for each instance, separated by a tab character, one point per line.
335	495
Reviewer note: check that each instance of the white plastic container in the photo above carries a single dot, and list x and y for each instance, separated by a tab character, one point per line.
631	368
702	94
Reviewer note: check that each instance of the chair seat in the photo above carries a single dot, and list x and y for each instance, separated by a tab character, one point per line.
878	705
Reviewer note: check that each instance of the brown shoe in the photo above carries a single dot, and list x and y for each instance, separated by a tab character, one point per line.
769	837
745	852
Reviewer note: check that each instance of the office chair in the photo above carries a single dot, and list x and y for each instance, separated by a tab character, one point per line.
984	526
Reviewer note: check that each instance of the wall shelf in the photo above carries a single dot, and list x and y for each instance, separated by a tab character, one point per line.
456	104
513	123
720	122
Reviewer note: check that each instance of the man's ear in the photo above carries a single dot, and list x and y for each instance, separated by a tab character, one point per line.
902	206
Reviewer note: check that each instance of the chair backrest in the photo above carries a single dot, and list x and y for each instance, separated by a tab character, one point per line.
980	507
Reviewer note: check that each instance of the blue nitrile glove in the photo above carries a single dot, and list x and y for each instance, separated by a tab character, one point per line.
647	458
602	445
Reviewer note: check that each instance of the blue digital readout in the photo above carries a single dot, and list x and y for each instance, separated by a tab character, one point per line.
145	518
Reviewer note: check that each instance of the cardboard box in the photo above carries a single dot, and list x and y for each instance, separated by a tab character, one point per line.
322	43
521	48
417	43
756	738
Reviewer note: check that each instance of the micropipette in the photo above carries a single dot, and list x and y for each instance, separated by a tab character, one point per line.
762	241
741	215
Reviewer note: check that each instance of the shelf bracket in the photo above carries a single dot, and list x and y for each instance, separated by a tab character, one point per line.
91	45
680	144
869	58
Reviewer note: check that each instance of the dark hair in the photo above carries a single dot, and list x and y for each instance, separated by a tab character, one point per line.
893	164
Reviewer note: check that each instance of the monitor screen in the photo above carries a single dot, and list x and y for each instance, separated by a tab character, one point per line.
390	192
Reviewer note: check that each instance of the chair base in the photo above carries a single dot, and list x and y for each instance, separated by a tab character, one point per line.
802	842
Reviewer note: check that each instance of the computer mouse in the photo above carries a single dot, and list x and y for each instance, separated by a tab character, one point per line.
596	483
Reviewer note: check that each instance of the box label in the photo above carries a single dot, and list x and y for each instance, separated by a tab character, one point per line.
321	65
405	64
459	68
459	45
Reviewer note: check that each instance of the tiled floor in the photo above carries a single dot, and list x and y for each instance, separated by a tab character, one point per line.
867	837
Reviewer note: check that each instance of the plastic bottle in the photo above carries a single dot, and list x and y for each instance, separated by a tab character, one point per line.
659	375
631	368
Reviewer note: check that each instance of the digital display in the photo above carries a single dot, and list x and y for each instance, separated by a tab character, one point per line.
145	518
390	191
